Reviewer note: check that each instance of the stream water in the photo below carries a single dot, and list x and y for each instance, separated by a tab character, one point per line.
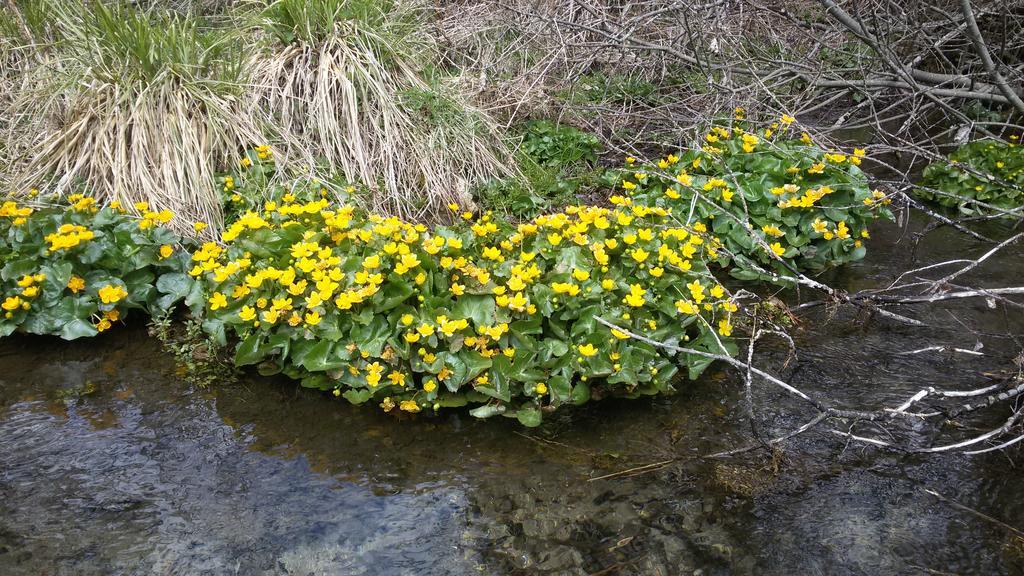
111	464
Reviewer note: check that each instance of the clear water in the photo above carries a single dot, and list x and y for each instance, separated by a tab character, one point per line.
110	464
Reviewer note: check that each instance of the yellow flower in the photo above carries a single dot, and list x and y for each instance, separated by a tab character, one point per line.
76	284
110	294
842	232
492	253
619	334
725	327
165	251
565	288
406	262
217	301
409	406
581	275
657	271
696	291
608	284
11	303
247	314
313	318
199	226
429	386
686	307
541	388
586	350
407	319
635	298
639	254
778	249
30	292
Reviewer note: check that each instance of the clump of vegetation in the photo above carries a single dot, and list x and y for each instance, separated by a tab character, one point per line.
598	87
559	162
981	177
200	359
340	83
136	105
500	317
74	270
553	145
778	203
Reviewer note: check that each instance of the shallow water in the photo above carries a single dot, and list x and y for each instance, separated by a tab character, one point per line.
111	464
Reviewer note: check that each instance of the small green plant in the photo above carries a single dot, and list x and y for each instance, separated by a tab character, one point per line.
199	358
615	88
558	163
989	172
558	146
313	22
73	270
779	204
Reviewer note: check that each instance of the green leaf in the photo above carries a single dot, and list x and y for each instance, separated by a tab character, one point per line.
357	396
249	350
18	268
529	416
372	337
580	393
394	294
479	308
321	358
77	328
487	411
175	284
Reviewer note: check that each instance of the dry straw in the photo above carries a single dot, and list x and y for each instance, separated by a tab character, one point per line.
149	105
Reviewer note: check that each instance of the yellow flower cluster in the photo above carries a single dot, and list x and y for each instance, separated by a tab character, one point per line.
30	289
150	218
808	199
111	294
18	215
68	236
337	265
107	319
82	203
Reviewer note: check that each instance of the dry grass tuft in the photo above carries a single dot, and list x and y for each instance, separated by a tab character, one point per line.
134	106
342	85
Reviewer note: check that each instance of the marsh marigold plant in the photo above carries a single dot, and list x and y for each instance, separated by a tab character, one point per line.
777	201
75	269
500	317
